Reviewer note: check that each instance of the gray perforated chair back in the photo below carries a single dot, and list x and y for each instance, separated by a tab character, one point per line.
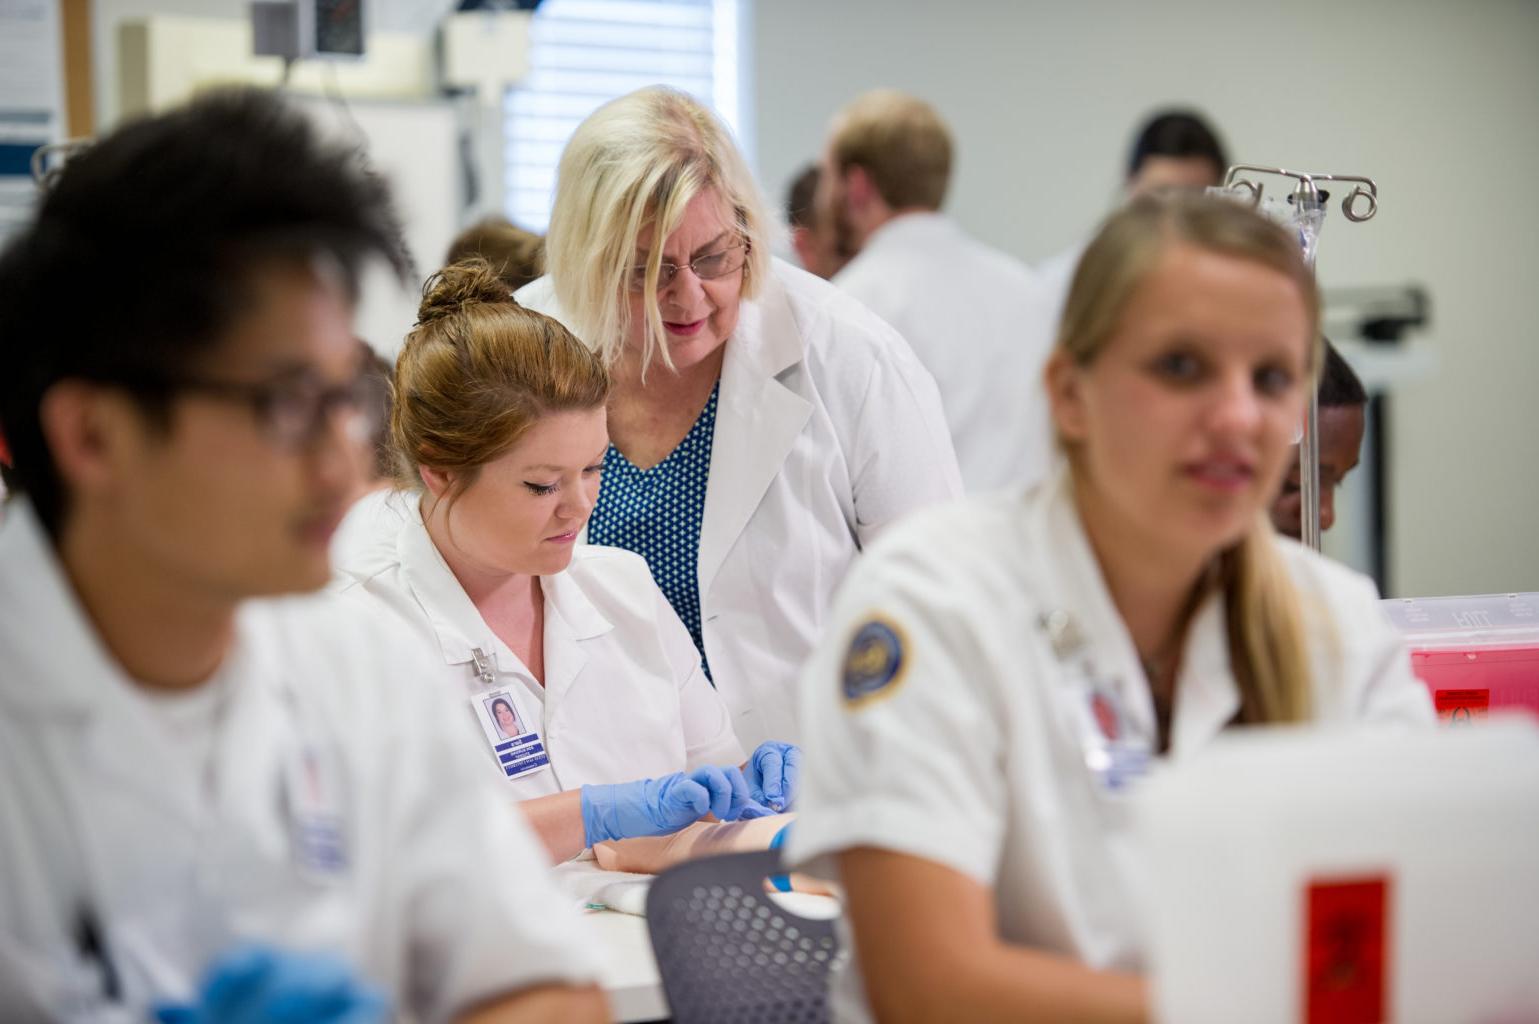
729	954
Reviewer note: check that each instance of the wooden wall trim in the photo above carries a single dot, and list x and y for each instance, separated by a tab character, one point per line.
79	93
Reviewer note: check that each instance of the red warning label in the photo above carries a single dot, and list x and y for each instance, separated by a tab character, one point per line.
1460	707
1346	950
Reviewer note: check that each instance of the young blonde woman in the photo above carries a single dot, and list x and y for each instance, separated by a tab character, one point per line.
580	682
763	428
1001	673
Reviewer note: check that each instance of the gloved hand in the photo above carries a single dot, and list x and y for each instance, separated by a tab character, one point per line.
653	807
774	774
261	985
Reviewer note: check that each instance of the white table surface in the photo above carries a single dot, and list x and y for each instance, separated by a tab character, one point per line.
630	977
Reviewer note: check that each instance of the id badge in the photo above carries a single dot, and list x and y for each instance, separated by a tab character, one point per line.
515	743
1114	752
317	825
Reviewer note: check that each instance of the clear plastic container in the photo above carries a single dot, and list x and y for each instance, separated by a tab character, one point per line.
1475	654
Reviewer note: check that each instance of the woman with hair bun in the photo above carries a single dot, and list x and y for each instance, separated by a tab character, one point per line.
498	426
1000	673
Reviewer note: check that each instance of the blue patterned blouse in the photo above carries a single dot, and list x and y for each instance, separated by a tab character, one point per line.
657	512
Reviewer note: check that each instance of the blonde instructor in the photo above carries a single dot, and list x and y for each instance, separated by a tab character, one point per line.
764	427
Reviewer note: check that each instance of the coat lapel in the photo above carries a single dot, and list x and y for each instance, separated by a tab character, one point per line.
758	419
57	673
571	620
1207	696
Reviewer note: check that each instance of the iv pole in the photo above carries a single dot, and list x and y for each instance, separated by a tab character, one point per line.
1309	199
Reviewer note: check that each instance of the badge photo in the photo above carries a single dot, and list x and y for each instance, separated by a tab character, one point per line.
515	742
503	716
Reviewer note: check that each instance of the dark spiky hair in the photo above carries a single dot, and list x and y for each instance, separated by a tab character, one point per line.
138	258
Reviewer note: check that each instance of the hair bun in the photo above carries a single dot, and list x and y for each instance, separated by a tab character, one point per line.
469	282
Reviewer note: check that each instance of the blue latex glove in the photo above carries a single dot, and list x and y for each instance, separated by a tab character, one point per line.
654	807
774	775
262	985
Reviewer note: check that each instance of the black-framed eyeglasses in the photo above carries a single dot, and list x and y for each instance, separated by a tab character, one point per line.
707	267
294	411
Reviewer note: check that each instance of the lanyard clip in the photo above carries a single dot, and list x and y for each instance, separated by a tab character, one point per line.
485	671
1063	633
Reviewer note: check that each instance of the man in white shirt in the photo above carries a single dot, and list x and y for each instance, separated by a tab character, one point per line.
1174	149
219	802
971	313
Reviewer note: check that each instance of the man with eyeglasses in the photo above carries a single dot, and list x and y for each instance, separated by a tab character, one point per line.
218	802
972	314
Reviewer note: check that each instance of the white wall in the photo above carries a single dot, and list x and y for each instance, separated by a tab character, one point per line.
107	16
1438	101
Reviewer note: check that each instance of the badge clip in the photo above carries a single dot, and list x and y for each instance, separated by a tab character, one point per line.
485	671
1063	633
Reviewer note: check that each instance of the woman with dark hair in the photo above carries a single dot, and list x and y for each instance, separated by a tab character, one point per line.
506	719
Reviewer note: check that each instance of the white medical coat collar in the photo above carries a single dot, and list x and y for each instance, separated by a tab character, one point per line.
758	418
1207	697
56	668
54	659
456	621
915	224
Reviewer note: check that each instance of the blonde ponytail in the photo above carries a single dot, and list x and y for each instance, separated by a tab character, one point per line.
1265	621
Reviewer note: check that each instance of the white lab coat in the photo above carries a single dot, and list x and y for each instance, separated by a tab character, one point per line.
624	696
440	895
977	754
828	430
978	320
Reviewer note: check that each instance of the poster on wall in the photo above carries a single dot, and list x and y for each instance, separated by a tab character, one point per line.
31	100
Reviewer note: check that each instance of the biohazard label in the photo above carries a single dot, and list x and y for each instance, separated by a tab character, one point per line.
1460	707
1346	950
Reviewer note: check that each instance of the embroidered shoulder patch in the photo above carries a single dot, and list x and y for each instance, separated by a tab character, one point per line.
875	662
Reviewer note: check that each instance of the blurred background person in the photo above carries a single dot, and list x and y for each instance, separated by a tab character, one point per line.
376	460
1343	417
973	315
811	239
1173	149
518	256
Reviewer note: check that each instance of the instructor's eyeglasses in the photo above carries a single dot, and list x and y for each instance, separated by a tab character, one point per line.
707	267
